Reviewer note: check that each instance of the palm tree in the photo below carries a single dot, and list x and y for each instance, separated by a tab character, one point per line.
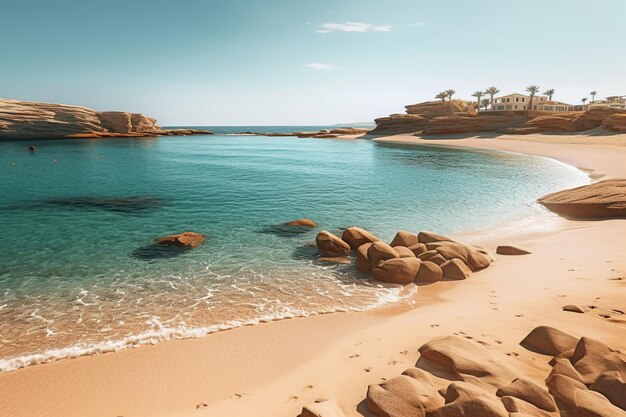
584	100
549	93
593	95
485	103
478	95
532	89
450	93
442	96
492	91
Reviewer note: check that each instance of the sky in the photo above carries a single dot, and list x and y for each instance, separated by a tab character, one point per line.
300	62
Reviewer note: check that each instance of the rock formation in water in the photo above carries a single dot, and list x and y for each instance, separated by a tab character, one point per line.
601	200
33	120
437	118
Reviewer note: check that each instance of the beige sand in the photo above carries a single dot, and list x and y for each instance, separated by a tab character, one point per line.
274	369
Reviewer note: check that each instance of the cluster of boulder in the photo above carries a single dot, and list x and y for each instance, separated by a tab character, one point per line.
34	120
457	377
324	133
421	258
437	117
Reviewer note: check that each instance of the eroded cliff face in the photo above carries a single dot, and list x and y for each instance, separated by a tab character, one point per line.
33	120
437	118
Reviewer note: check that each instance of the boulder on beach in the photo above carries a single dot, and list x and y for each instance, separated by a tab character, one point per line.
591	358
469	255
302	223
437	259
574	399
530	392
429	237
397	270
331	245
601	200
356	236
520	408
511	250
466	400
549	341
424	256
404	238
380	251
562	366
404	252
411	394
322	408
573	308
455	269
428	272
612	386
363	262
418	248
183	240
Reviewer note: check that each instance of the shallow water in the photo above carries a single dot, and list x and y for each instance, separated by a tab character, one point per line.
78	273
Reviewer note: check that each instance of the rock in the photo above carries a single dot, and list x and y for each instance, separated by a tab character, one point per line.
184	240
465	400
397	270
32	148
455	269
549	341
349	130
437	259
511	250
471	257
615	122
481	122
429	272
563	366
331	245
399	123
601	200
324	408
553	122
404	238
407	395
592	358
575	400
404	252
467	361
355	237
572	308
334	259
418	248
594	118
530	392
363	262
429	237
424	256
612	386
302	223
380	251
520	408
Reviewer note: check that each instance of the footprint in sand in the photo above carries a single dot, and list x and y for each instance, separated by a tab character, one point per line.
367	369
404	352
198	406
293	398
512	354
356	355
307	388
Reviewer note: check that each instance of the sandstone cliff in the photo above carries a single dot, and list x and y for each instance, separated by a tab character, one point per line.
437	118
33	120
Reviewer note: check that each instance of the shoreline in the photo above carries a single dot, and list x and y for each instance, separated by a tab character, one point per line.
230	370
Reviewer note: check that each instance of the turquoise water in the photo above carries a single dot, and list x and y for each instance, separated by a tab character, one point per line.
78	274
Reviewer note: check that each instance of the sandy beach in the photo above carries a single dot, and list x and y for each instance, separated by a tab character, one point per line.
276	368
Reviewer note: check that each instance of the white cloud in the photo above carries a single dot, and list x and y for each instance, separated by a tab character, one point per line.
352	27
319	66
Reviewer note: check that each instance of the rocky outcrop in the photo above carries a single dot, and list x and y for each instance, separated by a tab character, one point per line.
615	122
183	240
356	236
399	123
601	200
331	245
549	341
33	120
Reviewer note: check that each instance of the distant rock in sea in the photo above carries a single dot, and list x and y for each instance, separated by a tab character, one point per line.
33	120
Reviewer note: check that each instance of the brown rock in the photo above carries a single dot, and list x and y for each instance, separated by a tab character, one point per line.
404	238
455	269
184	240
521	408
467	361
302	223
424	256
572	308
429	272
592	358
397	270
399	123
530	392
615	122
409	395
429	237
471	257
324	408
601	200
563	366
594	118
612	386
418	248
331	245
575	400
437	259
380	251
356	236
465	400
404	252
549	341
511	250
363	262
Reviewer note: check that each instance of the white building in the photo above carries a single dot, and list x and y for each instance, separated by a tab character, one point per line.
517	101
614	102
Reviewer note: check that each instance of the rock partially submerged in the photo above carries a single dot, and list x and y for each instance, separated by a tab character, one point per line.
183	240
601	200
331	245
302	223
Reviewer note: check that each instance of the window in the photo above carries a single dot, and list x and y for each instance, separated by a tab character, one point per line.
523	98
508	99
516	107
516	99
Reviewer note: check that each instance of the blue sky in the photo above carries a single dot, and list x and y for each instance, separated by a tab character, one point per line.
223	62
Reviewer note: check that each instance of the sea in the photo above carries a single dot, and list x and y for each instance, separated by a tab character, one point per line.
79	273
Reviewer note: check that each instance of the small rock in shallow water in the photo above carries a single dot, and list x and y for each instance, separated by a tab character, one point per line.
185	239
